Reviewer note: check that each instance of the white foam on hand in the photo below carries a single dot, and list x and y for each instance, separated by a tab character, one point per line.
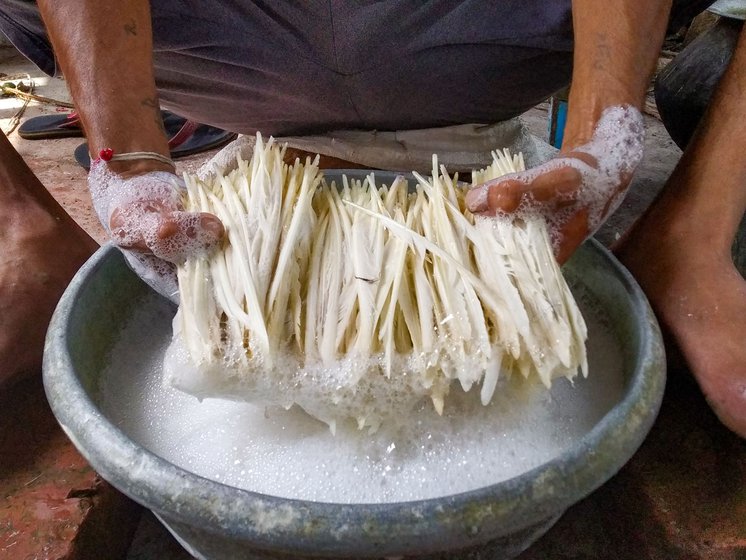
616	146
145	218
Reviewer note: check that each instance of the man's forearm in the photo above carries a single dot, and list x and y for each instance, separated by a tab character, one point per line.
106	54
616	48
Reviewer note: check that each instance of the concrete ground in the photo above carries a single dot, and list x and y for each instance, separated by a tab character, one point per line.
683	496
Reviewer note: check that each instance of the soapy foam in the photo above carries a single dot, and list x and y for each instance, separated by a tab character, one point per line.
287	453
354	387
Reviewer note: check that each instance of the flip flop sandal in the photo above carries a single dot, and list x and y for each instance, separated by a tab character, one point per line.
67	125
63	125
187	138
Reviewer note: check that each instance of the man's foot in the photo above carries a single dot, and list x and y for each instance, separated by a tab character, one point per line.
40	254
700	298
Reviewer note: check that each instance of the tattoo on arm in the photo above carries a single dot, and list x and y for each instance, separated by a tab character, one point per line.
130	28
602	55
159	122
152	103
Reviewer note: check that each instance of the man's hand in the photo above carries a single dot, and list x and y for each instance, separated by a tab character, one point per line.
145	217
577	190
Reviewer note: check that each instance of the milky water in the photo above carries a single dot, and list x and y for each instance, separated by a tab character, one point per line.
288	454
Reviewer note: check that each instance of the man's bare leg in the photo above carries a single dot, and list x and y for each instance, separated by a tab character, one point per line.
41	248
679	251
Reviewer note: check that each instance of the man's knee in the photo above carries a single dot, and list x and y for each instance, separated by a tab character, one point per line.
21	23
684	88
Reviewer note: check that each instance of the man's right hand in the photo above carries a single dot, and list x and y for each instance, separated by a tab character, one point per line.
145	217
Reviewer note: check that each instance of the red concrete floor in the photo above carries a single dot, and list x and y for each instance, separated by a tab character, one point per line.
682	496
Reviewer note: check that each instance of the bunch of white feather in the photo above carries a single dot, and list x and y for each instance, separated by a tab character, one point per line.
356	301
